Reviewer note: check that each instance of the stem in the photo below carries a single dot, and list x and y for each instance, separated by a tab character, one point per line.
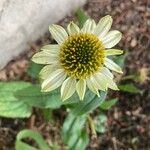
91	123
47	113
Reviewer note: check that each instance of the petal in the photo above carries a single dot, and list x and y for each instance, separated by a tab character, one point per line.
54	80
106	72
111	84
103	26
48	69
92	85
101	81
73	28
112	38
44	57
112	66
110	52
68	88
89	26
81	88
52	48
58	33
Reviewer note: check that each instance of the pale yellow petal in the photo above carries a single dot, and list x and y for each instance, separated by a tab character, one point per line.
73	28
106	72
112	66
110	52
81	88
58	33
112	38
92	86
100	81
44	57
103	26
68	88
54	80
112	84
89	26
105	81
48	69
51	48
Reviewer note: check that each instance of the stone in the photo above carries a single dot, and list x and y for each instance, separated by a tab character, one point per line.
22	22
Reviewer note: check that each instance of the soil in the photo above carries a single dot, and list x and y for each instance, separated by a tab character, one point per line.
128	121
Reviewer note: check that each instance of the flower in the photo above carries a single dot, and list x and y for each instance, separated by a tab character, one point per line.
79	60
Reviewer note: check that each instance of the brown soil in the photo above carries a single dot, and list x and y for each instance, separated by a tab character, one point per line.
128	122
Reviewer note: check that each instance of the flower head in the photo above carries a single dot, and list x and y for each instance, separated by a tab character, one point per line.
80	58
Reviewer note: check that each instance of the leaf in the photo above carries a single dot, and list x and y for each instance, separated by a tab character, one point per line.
131	88
134	77
72	125
81	142
72	100
30	134
34	69
10	106
120	60
55	146
108	104
99	123
34	97
82	17
90	102
73	134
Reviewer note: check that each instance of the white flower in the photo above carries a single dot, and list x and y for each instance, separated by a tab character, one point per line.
80	58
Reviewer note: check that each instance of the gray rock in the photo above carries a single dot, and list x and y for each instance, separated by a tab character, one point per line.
24	21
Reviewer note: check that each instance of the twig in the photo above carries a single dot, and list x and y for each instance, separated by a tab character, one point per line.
114	143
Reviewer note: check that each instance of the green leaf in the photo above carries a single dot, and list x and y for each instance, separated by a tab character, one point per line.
90	102
134	77
131	88
10	106
72	100
82	17
99	122
81	142
34	69
73	134
34	97
72	125
120	60
55	146
108	104
30	134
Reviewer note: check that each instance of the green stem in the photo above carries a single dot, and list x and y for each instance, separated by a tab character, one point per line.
47	113
91	123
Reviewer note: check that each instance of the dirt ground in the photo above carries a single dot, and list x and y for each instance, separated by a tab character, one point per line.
128	122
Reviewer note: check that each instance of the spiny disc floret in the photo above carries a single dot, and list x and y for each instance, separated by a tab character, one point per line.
81	55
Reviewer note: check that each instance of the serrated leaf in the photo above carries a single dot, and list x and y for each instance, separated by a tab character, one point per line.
90	102
131	88
20	145
108	104
10	106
